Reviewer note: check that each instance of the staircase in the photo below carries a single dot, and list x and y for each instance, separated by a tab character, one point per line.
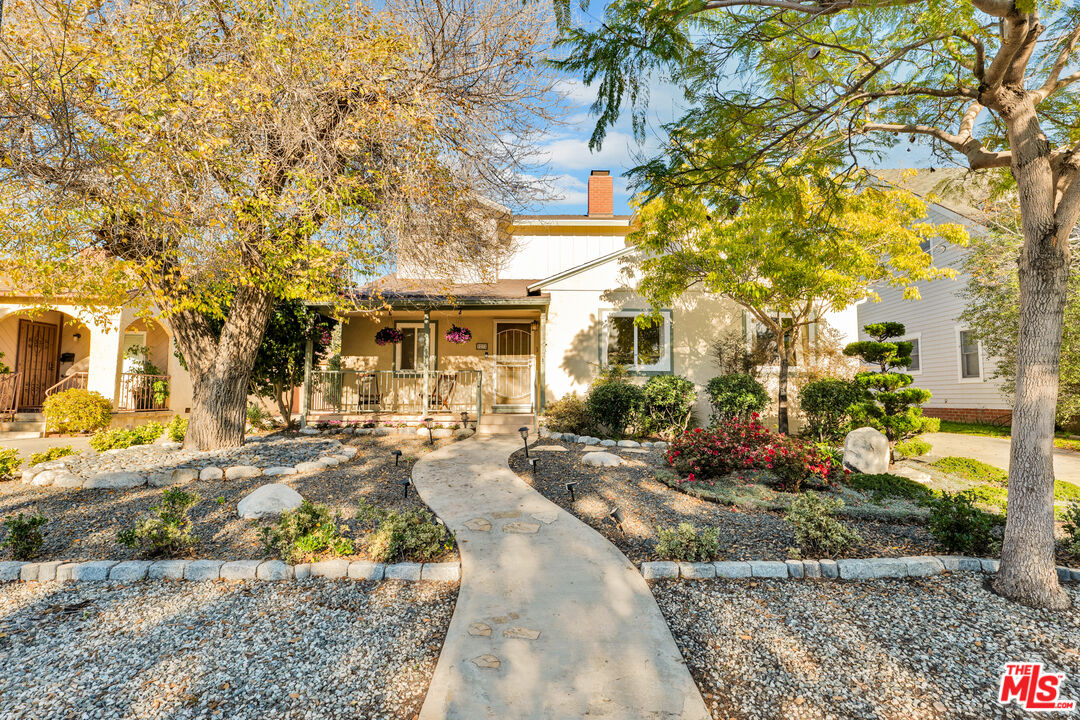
23	425
505	423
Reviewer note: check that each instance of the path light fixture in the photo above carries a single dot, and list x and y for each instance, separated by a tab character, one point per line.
429	423
405	488
397	456
616	517
465	419
525	439
570	489
533	462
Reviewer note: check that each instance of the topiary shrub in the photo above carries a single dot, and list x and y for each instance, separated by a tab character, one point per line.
957	526
915	447
9	463
305	533
736	396
54	453
167	533
826	406
76	411
685	544
612	404
24	535
123	438
667	405
406	536
818	533
177	428
568	414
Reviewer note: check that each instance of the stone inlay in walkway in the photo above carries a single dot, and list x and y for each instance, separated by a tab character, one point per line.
546	517
478	525
521	528
480	629
601	644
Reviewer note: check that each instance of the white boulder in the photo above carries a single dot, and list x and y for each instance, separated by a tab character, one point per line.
866	451
268	501
601	459
114	480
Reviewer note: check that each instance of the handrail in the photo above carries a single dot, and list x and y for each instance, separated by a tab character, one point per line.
395	391
10	391
74	381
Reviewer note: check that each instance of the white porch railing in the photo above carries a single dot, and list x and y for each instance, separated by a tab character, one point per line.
389	391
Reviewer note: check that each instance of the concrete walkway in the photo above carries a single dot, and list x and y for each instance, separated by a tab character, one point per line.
552	621
28	446
995	451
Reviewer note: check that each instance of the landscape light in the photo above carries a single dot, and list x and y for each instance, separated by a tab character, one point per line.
570	489
405	488
397	456
616	517
465	419
525	439
428	423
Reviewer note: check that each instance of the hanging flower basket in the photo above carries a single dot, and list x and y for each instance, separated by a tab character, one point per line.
458	335
388	336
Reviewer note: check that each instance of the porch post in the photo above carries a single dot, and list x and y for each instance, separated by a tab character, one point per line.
541	366
305	391
425	343
106	361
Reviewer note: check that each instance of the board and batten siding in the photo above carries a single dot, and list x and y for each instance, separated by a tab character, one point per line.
542	252
934	320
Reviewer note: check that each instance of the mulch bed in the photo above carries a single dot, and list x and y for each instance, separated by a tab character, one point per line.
82	524
646	503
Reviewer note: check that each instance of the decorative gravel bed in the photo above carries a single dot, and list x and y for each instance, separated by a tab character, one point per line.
82	523
911	649
220	650
646	503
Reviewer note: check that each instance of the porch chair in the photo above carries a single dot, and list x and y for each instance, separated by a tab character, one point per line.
368	395
443	393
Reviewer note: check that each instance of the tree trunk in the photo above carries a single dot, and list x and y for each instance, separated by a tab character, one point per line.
284	407
782	379
221	368
1027	573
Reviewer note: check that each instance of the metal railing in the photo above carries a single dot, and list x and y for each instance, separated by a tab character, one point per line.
10	390
389	391
74	381
143	393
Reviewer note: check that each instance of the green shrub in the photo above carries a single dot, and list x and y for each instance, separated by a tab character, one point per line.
177	428
568	414
406	536
826	405
167	533
54	453
885	485
123	438
667	405
9	463
957	526
818	532
1070	521
612	403
76	411
736	396
259	419
305	533
915	447
685	544
24	535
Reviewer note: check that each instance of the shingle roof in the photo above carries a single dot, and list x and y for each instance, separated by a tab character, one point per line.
963	191
391	288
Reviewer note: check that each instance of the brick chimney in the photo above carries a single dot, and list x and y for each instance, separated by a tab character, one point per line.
601	191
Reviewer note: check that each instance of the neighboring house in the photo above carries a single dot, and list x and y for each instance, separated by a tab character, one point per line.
947	360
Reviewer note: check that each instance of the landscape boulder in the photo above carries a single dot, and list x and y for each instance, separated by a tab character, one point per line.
866	451
268	501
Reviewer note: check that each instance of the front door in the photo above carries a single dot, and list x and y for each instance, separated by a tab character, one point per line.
514	364
37	362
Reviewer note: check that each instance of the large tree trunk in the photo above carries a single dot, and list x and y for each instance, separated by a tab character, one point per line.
284	406
1027	572
784	344
221	368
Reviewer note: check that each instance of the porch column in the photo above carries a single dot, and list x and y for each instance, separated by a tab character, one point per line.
425	350
541	366
305	390
106	346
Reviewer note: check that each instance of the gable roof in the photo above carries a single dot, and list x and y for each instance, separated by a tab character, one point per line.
537	284
962	191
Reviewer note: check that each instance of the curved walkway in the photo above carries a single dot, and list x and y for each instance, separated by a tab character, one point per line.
552	621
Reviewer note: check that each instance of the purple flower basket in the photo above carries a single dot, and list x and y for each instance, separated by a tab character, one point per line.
458	335
388	336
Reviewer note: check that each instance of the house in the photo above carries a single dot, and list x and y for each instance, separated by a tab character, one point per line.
947	360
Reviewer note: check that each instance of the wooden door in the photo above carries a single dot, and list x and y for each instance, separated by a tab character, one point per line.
37	361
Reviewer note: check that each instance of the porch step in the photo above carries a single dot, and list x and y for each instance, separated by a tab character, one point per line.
505	423
30	417
6	435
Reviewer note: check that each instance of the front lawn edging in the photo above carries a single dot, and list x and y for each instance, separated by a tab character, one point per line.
846	569
590	441
197	570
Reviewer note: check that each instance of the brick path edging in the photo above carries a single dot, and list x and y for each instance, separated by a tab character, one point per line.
847	569
135	570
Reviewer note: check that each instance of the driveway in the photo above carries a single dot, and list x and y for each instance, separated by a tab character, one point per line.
995	451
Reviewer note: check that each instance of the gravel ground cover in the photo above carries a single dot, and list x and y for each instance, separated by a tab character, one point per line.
82	524
889	649
646	503
309	649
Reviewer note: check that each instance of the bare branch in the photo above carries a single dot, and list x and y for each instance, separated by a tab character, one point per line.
978	157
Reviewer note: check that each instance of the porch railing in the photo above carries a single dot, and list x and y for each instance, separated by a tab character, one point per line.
389	391
143	393
74	381
10	389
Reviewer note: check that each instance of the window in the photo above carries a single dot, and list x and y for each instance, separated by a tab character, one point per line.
409	353
970	363
916	361
640	349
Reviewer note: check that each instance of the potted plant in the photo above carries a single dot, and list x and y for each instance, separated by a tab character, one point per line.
388	336
458	335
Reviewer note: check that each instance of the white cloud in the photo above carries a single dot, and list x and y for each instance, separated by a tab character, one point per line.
572	153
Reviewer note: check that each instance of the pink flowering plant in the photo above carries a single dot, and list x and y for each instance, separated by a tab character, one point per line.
458	335
736	445
388	336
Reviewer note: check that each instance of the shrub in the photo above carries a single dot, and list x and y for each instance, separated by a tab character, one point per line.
736	396
974	470
885	485
957	526
258	418
1070	521
818	532
826	404
9	463
568	414
76	411
122	438
667	404
53	453
915	447
24	535
409	535
167	533
305	533
177	428
685	544
612	402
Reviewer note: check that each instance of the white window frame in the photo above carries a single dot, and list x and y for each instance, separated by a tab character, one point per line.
960	359
664	365
916	337
431	347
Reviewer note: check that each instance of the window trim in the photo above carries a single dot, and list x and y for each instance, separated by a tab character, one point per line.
433	344
666	366
918	338
960	358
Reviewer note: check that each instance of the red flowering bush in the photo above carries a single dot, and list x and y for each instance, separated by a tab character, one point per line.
734	445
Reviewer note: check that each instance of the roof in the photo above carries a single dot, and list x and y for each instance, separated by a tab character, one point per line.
425	291
965	192
535	285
